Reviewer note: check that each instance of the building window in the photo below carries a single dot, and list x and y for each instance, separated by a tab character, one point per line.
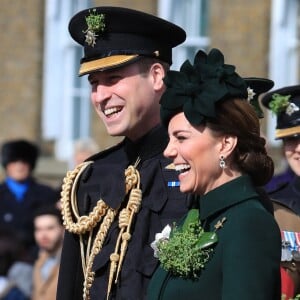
66	105
192	16
284	51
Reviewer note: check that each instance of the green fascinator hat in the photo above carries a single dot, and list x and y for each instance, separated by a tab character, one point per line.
196	89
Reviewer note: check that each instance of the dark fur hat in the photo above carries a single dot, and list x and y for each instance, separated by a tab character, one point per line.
19	150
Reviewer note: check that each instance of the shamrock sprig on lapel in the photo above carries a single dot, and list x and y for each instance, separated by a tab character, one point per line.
184	251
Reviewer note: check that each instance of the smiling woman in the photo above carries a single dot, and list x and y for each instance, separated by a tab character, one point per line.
186	142
216	146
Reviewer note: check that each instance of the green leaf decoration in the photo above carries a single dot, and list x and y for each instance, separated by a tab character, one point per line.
181	256
207	239
95	22
279	103
192	217
188	247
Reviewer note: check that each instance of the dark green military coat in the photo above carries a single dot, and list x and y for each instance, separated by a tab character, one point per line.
246	259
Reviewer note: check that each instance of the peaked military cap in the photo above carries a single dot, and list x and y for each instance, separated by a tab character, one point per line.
115	36
256	87
285	104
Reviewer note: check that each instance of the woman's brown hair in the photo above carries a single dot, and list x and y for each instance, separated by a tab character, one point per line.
238	118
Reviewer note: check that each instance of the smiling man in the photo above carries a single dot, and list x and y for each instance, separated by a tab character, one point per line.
115	203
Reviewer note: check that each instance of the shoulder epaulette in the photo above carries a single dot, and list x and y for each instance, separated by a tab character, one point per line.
279	202
279	187
105	152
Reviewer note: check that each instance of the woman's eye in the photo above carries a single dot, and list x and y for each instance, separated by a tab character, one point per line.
181	137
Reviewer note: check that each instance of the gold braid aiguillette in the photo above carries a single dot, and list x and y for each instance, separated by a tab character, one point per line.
101	215
132	181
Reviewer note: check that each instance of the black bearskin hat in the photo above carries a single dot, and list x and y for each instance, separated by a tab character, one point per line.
19	150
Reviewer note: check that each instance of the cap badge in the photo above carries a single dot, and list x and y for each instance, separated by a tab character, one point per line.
251	93
291	109
95	23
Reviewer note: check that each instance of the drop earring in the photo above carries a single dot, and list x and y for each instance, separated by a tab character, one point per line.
222	162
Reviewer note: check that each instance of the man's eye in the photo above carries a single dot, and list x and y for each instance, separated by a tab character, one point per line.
292	140
115	78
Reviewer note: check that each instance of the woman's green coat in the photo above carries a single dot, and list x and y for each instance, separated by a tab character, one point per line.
246	260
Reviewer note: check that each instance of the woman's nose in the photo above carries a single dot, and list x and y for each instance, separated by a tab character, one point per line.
170	151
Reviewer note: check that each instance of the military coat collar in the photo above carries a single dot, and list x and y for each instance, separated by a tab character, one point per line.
222	197
151	144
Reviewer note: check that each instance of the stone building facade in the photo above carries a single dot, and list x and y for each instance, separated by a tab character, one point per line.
240	28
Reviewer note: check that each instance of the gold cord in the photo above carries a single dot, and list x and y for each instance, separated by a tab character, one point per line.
86	224
132	181
97	246
69	200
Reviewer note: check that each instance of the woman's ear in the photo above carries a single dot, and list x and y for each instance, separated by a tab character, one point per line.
229	143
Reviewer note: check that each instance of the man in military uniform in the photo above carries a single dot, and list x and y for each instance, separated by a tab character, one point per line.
285	104
114	203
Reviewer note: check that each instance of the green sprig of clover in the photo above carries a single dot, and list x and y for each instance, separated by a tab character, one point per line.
279	103
95	22
187	251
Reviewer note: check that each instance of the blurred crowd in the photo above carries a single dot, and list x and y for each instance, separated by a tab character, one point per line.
31	225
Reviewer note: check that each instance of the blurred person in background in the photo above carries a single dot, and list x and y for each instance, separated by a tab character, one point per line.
13	285
285	104
83	149
20	193
283	175
48	233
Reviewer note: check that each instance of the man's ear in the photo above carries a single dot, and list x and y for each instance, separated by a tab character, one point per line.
157	73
